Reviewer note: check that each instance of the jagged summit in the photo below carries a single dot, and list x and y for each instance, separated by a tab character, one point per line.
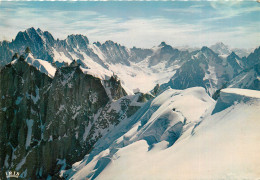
206	49
74	64
163	44
233	54
221	48
153	65
110	43
31	30
39	30
78	37
41	65
219	45
97	43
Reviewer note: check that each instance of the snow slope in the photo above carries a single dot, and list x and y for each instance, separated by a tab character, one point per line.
161	120
41	65
222	145
133	75
242	92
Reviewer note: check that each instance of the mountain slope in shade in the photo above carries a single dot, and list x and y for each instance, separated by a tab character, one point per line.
253	58
206	69
223	145
247	79
50	118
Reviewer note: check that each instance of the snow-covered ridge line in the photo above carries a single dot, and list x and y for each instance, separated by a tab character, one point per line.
41	65
228	139
242	92
157	125
231	96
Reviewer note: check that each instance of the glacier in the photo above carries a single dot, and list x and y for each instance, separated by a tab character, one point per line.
220	145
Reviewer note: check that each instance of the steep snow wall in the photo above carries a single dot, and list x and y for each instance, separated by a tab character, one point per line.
231	96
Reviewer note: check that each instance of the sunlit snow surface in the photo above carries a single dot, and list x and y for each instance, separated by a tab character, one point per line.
136	75
41	65
220	145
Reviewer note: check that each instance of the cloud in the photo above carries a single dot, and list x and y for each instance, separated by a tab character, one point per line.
133	31
190	10
230	9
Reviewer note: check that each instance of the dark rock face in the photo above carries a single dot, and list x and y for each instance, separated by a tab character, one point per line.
144	97
24	98
47	121
114	88
193	72
138	54
236	63
168	54
253	58
44	46
75	99
115	53
190	75
48	124
39	42
5	53
206	69
247	79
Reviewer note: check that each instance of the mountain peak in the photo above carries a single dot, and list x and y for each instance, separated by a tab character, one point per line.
30	30
110	42
220	44
78	37
163	44
233	54
205	48
39	30
220	48
98	44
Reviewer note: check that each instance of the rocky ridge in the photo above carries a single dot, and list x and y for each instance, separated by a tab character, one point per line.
47	123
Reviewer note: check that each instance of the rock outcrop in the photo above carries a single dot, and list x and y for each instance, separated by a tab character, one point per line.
47	124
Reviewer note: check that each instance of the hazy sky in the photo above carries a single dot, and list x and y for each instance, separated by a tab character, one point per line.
141	24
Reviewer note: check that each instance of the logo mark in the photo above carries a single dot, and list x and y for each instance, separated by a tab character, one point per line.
12	174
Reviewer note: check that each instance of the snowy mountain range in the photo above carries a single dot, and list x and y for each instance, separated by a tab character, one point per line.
225	50
71	109
137	68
